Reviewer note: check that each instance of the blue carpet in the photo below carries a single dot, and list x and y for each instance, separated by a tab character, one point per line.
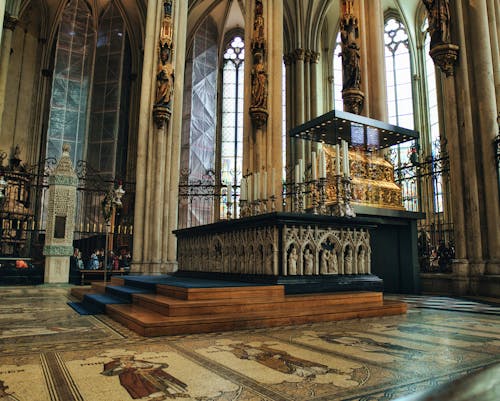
187	282
80	309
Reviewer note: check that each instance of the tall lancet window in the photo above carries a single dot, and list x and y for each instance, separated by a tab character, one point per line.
337	75
400	102
71	82
232	114
433	120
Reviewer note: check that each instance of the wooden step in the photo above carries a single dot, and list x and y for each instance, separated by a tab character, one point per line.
79	292
116	280
169	306
272	291
149	323
99	287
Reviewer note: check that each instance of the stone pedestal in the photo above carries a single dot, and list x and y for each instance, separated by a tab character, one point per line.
60	220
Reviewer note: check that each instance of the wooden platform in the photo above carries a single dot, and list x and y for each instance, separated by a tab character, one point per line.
176	310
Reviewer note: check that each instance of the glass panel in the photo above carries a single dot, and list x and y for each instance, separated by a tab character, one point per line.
68	104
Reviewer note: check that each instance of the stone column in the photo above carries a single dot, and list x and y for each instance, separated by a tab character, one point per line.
159	138
315	91
9	24
376	79
60	220
486	112
263	97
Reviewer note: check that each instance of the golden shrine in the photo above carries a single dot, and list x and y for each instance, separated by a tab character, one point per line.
372	179
371	176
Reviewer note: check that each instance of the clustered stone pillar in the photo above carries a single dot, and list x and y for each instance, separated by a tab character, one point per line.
60	220
262	125
9	24
470	114
158	145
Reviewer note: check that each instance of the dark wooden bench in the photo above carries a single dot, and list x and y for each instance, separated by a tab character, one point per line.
86	276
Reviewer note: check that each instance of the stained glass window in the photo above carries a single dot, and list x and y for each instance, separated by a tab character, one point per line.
400	98
232	115
337	75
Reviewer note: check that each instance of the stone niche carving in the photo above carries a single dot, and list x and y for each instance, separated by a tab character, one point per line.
322	251
276	250
246	251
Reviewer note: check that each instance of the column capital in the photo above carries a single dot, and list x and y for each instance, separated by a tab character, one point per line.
288	59
315	57
299	54
9	21
307	56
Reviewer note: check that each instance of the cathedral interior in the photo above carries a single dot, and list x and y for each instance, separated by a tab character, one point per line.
322	145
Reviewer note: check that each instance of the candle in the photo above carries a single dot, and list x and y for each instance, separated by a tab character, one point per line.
243	189
297	173
249	187
344	157
264	185
301	170
256	186
337	159
347	166
322	164
228	192
273	177
314	163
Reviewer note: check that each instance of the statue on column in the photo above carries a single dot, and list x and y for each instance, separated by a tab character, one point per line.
443	52
438	12
352	95
258	102
165	70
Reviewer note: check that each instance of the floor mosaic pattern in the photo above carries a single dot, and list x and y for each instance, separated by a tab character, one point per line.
50	353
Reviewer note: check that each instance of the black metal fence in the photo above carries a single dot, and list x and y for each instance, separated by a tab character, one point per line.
23	211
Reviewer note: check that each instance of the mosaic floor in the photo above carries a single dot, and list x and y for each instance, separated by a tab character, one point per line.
48	352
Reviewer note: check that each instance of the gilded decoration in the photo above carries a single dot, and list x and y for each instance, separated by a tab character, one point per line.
372	180
162	109
442	50
351	71
258	107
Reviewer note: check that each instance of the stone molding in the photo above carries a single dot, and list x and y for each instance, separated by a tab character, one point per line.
63	180
58	250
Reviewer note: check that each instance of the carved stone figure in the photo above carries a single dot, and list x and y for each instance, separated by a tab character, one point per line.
258	25
292	262
308	262
332	263
164	81
439	21
361	261
259	83
325	262
348	261
351	71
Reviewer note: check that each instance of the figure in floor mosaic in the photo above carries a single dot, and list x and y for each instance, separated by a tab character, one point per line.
143	378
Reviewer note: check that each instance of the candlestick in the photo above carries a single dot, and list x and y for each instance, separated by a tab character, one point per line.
256	187
264	185
249	187
243	189
337	159
314	164
273	177
322	164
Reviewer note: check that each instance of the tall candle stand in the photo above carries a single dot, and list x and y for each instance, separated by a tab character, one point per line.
296	198
256	207
243	208
273	203
337	208
322	195
348	210
314	196
229	205
301	197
